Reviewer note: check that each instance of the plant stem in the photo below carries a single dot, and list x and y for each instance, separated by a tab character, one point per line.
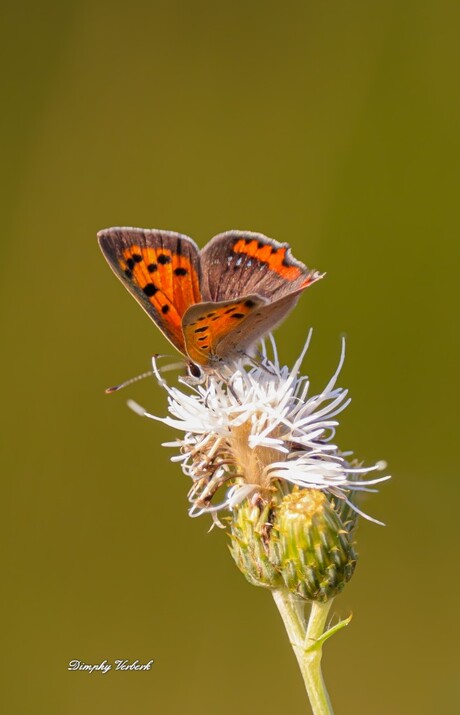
307	641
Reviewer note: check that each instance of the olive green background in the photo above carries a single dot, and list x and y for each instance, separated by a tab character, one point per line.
334	126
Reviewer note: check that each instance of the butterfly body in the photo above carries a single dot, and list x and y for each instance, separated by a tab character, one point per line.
213	305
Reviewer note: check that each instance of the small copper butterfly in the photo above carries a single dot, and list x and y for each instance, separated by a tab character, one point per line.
213	304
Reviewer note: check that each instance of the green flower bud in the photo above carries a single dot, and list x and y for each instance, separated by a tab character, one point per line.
250	538
311	545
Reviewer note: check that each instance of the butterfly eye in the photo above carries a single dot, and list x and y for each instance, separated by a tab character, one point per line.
195	370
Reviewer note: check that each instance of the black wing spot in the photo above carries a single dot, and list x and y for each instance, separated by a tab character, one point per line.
263	264
216	318
238	316
249	303
137	258
274	250
204	337
150	290
152	267
261	244
165	308
201	330
128	273
130	263
163	259
210	315
180	271
229	310
248	241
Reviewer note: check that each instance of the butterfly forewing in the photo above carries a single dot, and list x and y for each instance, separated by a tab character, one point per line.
161	269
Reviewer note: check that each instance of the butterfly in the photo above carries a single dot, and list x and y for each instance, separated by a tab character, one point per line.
213	305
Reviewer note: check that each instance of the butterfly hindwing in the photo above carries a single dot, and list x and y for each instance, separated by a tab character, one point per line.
161	269
207	326
256	325
242	262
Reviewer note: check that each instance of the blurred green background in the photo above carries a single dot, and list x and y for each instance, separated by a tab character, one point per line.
334	126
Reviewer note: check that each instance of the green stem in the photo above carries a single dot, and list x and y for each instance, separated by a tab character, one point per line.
307	641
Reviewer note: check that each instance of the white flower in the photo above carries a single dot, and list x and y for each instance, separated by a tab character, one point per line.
255	427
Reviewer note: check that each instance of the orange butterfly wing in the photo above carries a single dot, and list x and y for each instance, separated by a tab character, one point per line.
161	269
207	325
249	265
237	263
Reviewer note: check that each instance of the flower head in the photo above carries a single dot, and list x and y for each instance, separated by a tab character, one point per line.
257	429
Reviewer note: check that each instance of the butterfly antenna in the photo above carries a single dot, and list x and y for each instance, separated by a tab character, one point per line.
172	366
115	388
149	373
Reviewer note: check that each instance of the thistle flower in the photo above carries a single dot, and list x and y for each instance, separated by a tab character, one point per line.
257	430
256	435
